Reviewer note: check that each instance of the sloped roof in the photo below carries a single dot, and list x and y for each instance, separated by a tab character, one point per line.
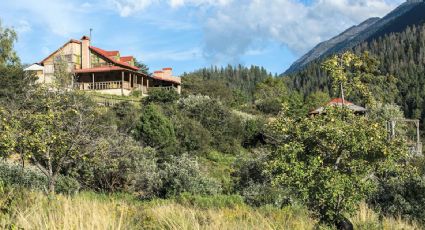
34	67
70	41
157	76
338	102
106	55
126	58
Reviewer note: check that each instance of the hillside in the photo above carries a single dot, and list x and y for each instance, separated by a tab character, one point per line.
408	14
399	54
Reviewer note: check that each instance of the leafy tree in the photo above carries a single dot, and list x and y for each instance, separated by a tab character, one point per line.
161	96
63	77
52	129
8	56
154	129
329	161
124	113
315	100
143	67
192	136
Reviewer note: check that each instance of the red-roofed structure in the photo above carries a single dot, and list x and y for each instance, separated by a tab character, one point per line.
339	102
94	68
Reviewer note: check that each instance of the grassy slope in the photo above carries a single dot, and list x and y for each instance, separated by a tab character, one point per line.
33	210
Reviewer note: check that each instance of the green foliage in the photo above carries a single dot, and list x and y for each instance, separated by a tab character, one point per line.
192	136
253	132
182	175
125	114
232	85
327	160
143	67
316	100
400	193
62	78
154	129
8	56
161	96
30	177
216	118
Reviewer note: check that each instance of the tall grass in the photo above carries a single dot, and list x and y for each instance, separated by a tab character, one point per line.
34	210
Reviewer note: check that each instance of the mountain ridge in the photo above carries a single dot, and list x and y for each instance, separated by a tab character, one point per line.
409	13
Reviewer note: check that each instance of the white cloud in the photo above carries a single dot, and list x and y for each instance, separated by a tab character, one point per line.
60	17
23	26
129	7
235	29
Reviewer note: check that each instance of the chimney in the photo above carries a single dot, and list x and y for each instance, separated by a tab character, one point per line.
159	74
85	52
168	72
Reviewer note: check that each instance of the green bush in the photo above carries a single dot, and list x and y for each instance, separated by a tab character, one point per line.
182	175
155	129
401	195
192	136
161	96
224	126
30	177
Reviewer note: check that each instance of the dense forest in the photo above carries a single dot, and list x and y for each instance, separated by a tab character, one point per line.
401	55
236	150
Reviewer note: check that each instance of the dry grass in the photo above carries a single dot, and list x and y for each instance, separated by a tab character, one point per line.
366	218
175	216
88	211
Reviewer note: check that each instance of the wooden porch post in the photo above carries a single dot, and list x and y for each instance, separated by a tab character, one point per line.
92	77
135	85
129	81
122	83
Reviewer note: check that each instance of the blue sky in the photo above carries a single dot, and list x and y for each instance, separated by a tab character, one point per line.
187	34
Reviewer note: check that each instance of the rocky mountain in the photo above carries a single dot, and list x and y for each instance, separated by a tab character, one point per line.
407	14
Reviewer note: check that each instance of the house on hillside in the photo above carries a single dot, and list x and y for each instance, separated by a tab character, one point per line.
100	70
339	102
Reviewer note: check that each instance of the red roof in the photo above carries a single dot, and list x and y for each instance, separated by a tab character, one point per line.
167	68
106	55
112	53
339	101
126	58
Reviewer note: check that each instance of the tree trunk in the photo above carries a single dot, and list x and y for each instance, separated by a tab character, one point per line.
52	183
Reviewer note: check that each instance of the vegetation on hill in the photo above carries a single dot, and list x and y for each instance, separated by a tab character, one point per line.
399	56
204	160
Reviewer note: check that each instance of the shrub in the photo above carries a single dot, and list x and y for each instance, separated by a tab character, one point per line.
400	195
182	175
214	116
119	164
161	96
192	136
154	129
32	178
125	112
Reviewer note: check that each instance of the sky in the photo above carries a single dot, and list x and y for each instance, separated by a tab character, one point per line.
187	34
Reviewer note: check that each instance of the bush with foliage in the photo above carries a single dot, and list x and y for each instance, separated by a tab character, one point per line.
154	129
160	95
217	119
327	161
191	135
182	175
400	193
30	177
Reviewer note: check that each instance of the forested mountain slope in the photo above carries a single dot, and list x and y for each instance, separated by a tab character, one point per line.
400	54
410	13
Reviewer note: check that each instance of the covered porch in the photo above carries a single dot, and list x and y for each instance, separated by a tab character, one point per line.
110	80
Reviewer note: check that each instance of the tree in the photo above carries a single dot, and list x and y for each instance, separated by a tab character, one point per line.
329	161
154	129
8	55
53	129
63	77
143	67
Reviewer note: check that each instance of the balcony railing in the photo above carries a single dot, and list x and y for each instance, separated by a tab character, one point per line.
102	85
